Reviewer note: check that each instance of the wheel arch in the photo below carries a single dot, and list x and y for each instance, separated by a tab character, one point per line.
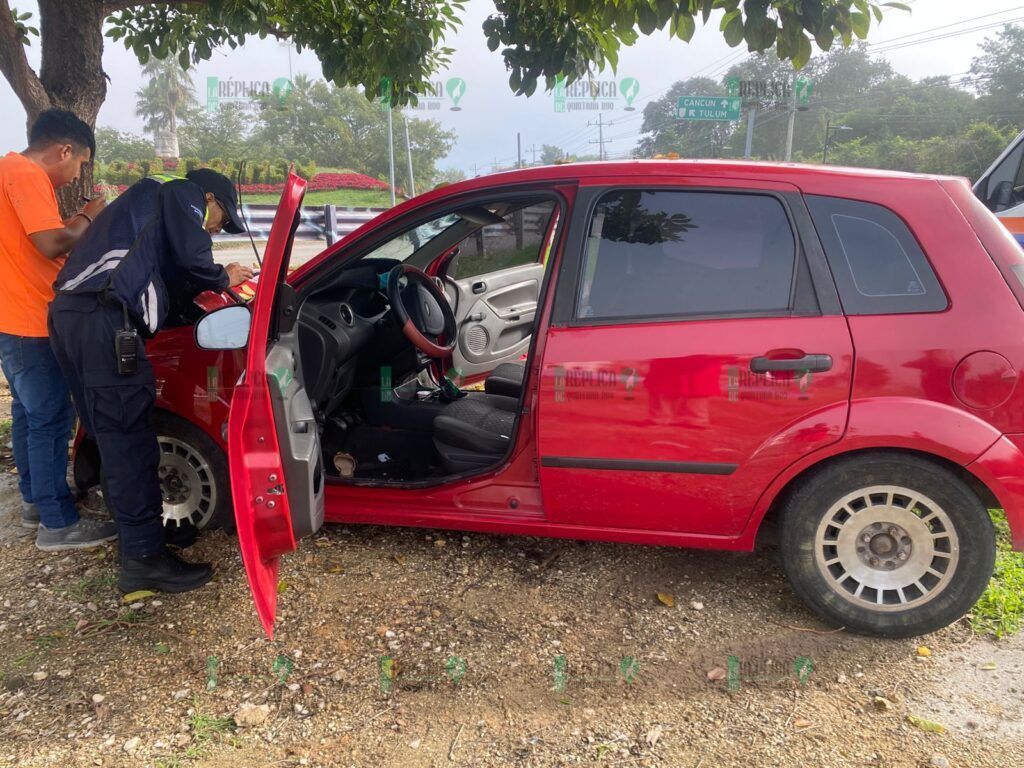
769	509
86	461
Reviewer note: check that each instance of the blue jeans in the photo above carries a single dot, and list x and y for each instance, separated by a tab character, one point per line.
42	419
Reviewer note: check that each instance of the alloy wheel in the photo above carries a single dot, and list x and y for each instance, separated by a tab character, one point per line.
887	548
186	483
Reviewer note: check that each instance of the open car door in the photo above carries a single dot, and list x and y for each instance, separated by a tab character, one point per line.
277	479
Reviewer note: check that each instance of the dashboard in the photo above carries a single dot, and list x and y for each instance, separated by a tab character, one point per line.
335	323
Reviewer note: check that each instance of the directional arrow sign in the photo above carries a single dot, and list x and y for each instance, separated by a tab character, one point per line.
726	108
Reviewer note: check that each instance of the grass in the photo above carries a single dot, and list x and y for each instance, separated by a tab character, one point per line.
348	198
5	433
1000	611
93	587
204	729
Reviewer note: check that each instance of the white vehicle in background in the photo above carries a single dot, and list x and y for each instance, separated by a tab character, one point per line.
1001	188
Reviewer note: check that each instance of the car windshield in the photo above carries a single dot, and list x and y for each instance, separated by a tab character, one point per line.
406	244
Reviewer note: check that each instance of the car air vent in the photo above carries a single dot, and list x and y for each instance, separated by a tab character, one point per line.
346	314
476	339
328	322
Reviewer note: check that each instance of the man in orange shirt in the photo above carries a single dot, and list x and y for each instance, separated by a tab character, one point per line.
33	243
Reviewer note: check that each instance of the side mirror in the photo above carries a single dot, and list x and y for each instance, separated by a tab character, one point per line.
1002	197
225	328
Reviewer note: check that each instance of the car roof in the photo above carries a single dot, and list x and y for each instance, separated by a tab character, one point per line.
788	172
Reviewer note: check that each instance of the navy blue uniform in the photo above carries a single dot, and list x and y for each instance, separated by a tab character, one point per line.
150	238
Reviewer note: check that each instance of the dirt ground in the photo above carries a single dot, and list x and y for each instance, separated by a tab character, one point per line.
430	648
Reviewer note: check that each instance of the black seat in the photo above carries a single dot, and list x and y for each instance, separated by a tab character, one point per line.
506	379
475	431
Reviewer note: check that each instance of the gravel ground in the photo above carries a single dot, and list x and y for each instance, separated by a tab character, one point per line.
399	647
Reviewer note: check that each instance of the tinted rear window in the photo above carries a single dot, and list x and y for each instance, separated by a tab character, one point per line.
878	266
669	253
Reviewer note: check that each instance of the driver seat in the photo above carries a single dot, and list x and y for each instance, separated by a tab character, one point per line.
475	431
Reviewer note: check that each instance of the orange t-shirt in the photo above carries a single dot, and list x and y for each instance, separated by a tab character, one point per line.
28	205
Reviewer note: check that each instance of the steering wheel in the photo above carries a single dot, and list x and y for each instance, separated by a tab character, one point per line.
429	317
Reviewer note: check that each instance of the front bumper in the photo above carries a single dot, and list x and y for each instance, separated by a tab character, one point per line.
1001	468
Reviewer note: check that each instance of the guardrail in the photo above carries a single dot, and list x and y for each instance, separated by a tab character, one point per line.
332	222
321	222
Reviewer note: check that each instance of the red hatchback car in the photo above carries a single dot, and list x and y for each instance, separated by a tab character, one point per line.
671	353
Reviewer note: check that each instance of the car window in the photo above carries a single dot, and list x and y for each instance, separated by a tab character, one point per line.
878	266
665	253
517	240
406	244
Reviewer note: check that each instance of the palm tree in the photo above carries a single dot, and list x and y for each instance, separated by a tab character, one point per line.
168	95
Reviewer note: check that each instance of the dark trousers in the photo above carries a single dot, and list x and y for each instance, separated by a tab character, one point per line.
41	416
117	411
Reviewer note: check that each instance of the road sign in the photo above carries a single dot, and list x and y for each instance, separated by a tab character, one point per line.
725	108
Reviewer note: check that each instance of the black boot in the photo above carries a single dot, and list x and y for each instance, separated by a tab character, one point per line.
165	572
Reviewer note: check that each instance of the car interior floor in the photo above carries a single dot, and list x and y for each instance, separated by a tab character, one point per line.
381	452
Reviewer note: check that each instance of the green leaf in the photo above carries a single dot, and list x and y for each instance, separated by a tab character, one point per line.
803	51
647	18
727	19
825	38
898	6
685	27
861	23
734	31
705	10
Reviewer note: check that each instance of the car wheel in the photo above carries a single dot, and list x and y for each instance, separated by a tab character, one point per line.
887	544
194	477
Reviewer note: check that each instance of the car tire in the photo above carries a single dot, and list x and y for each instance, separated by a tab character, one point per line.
194	478
887	544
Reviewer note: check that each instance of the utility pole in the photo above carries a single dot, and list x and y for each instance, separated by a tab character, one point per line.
792	119
409	158
391	157
519	150
476	170
751	116
830	132
600	135
533	149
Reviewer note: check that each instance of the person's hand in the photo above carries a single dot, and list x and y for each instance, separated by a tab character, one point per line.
237	274
93	207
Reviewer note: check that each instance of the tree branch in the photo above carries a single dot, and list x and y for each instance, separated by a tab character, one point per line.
113	6
15	67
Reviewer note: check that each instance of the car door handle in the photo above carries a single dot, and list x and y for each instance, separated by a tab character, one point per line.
815	363
479	287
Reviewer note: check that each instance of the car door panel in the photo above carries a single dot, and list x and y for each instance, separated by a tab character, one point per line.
666	427
678	422
273	444
496	320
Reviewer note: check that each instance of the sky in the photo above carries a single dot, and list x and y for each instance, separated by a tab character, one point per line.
489	116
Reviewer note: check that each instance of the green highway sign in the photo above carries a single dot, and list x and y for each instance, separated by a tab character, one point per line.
725	108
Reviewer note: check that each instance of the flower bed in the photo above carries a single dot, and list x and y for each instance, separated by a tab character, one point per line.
321	182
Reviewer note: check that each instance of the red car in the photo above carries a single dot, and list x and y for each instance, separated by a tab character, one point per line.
671	353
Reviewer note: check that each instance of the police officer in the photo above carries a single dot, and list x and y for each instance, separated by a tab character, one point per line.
114	291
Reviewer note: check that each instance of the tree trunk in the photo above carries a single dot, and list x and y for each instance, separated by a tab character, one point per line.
71	34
